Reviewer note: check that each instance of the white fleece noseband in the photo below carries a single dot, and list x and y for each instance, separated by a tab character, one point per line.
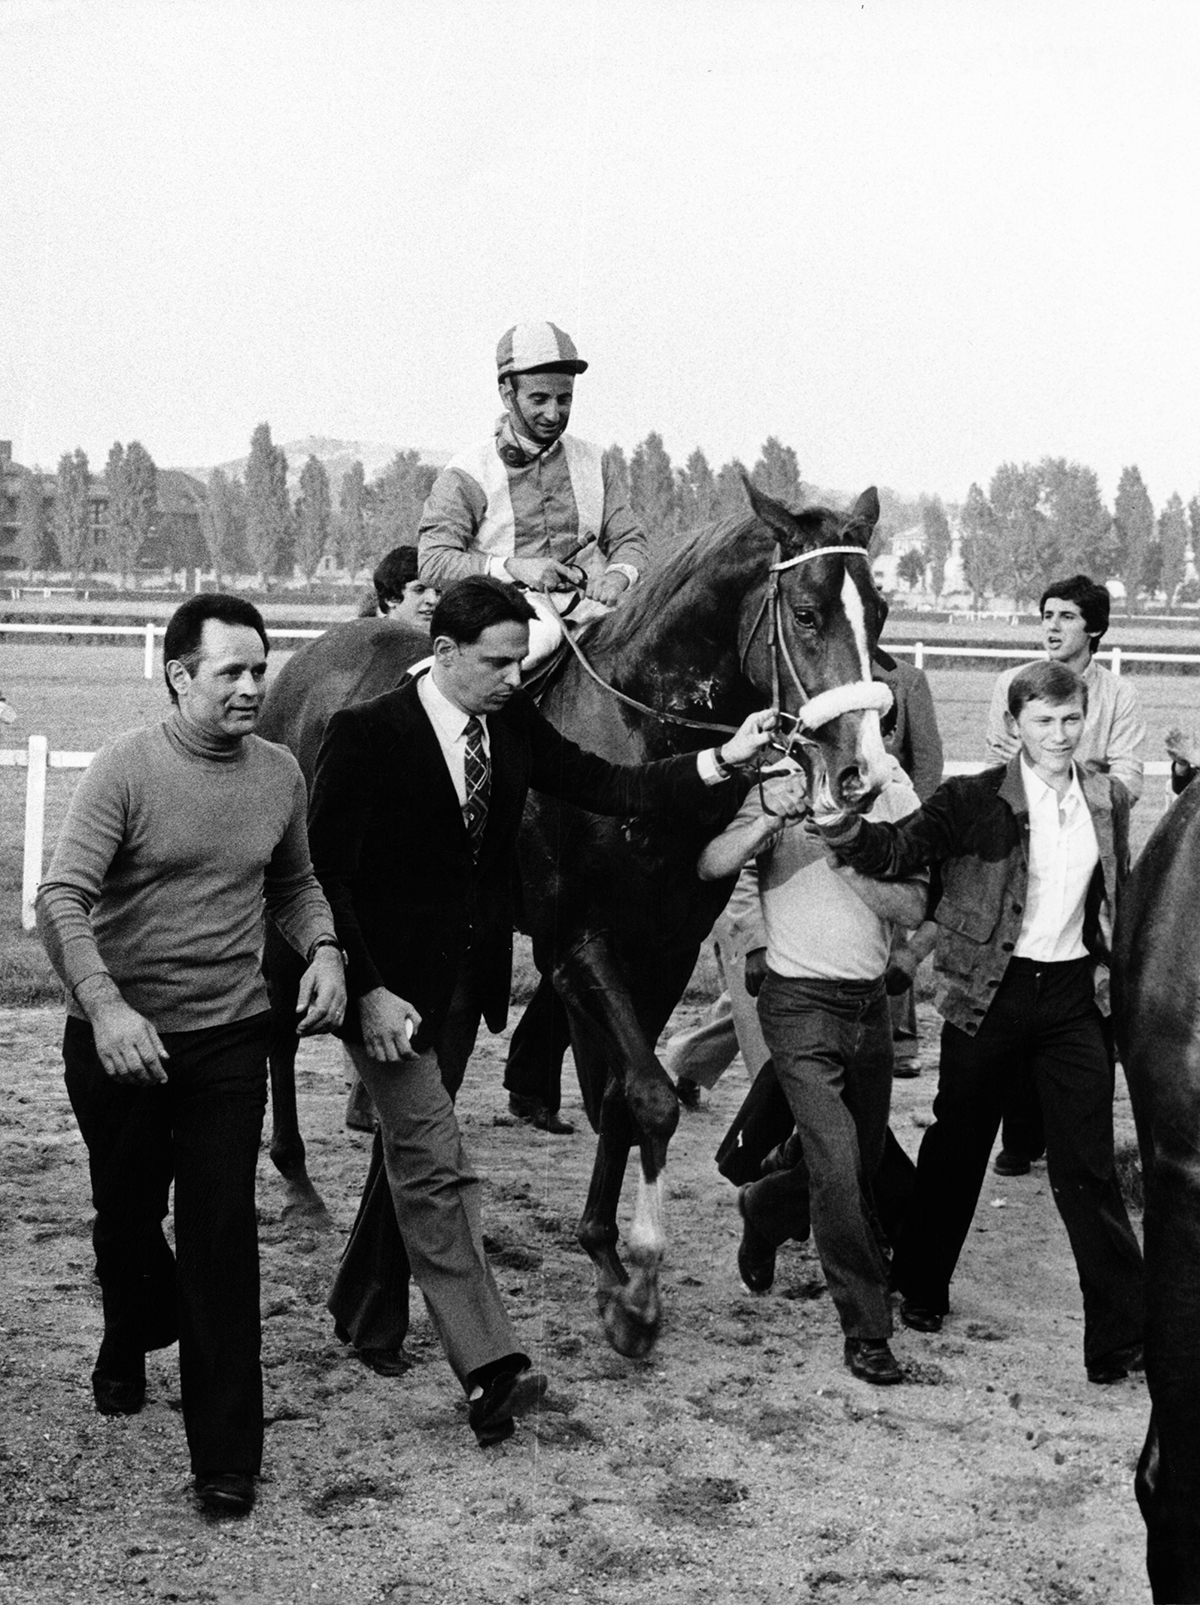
864	696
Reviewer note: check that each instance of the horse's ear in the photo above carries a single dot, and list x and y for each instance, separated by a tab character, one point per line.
773	514
864	515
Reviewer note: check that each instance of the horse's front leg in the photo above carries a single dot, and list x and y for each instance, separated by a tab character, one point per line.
639	1106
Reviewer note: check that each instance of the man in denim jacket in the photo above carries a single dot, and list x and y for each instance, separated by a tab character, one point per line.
1032	855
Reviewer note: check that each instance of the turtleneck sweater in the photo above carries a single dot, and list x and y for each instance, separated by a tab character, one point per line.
173	845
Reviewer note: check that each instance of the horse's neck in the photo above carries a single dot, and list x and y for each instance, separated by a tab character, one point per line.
686	655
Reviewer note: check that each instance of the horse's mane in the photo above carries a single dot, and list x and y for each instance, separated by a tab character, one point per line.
680	556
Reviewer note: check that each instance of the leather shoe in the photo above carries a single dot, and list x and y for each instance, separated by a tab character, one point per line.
871	1360
919	1318
539	1115
225	1493
1115	1367
1006	1163
118	1396
510	1394
384	1362
755	1256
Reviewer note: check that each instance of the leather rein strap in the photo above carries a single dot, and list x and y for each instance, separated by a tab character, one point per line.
771	609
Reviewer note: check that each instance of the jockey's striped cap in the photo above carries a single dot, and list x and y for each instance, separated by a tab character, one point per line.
527	346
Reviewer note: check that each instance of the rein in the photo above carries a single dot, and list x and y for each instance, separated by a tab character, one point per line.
770	609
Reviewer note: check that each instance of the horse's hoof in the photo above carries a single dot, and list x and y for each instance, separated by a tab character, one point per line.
305	1204
632	1330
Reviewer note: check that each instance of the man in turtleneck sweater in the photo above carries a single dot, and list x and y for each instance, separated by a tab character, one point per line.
152	914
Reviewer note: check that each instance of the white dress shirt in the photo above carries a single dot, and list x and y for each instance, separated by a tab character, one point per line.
450	727
1063	853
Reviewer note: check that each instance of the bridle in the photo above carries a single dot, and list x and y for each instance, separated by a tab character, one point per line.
814	711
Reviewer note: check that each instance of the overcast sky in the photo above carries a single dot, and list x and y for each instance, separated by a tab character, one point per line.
912	239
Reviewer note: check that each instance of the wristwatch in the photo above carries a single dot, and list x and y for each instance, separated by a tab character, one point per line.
324	941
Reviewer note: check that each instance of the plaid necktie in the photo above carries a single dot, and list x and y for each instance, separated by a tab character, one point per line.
478	781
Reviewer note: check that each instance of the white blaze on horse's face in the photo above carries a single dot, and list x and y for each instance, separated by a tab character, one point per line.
872	754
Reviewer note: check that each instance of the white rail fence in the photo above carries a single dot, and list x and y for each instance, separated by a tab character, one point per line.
36	759
149	634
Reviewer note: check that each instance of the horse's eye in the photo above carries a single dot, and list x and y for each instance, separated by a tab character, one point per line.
805	617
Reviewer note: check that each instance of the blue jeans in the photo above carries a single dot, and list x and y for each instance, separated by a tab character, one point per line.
831	1042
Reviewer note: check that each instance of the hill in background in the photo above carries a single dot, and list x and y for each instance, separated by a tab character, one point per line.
336	456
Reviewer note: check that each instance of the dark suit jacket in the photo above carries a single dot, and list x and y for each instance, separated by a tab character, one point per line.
392	853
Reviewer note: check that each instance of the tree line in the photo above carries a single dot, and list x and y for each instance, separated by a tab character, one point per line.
1035	523
253	525
73	536
1041	521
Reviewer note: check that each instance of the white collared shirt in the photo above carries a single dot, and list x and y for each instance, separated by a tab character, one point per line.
1063	853
450	727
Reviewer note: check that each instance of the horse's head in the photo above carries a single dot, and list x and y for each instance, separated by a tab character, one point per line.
808	641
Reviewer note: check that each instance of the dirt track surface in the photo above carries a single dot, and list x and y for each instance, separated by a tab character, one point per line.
741	1462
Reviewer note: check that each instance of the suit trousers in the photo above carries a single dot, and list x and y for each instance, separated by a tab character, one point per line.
420	1211
831	1045
202	1128
1043	1016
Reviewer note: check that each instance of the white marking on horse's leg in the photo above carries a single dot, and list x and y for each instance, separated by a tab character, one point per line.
647	1239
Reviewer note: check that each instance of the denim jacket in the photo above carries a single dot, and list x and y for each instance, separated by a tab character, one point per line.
976	828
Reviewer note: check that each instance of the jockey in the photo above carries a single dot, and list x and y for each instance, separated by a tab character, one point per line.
532	504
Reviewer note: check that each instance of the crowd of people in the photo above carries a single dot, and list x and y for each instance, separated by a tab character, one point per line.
179	835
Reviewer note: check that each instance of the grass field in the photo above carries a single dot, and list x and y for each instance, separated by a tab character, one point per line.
79	697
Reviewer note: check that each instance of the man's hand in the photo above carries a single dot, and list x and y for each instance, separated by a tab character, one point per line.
833	830
1183	746
787	795
752	736
129	1047
543	573
1005	743
756	970
388	1023
608	588
321	1004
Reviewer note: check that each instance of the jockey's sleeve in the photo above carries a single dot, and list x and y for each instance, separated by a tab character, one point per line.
452	513
622	538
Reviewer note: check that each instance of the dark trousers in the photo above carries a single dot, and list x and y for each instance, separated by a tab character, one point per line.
1043	1016
420	1210
535	1051
831	1044
202	1128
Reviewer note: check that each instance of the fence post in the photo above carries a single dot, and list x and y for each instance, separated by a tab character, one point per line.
1116	661
148	663
918	654
35	826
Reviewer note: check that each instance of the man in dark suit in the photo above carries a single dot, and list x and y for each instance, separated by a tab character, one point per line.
417	799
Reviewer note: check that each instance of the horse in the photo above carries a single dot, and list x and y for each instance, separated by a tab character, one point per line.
1156	1015
775	609
350	663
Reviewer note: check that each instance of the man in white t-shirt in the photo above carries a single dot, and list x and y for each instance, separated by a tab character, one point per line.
824	1014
